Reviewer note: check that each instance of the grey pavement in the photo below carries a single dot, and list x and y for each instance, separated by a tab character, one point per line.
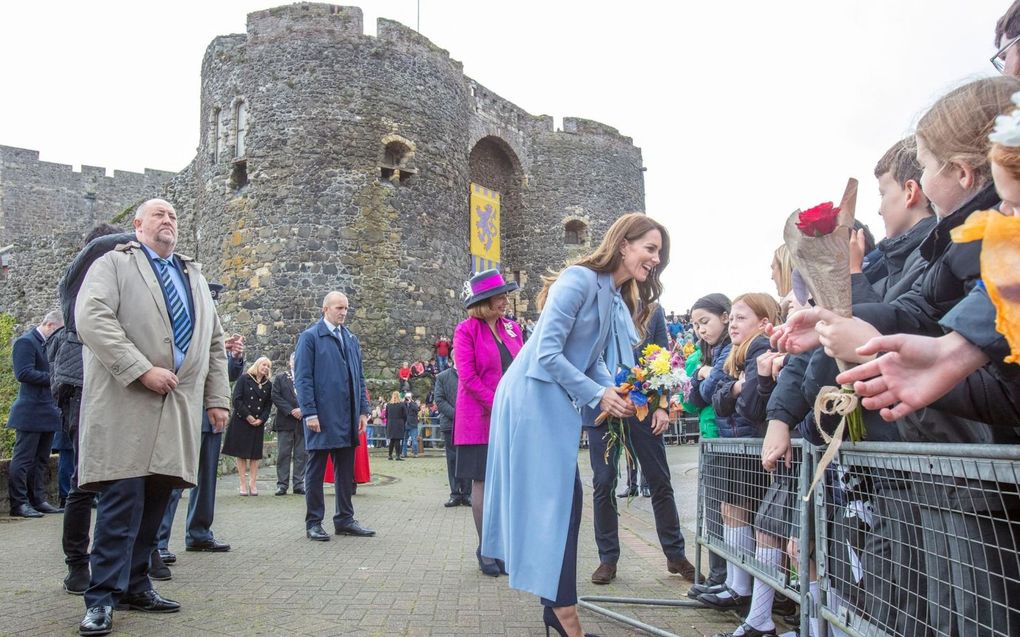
417	577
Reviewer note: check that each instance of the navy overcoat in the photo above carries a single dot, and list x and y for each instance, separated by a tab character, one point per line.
331	385
34	409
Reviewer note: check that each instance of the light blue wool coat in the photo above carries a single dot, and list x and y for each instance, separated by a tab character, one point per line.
536	426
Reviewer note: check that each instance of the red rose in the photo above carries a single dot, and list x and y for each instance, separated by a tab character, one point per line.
818	221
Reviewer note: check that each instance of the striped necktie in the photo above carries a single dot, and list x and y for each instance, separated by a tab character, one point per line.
179	319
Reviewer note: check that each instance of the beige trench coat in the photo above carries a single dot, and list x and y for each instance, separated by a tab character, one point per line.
128	431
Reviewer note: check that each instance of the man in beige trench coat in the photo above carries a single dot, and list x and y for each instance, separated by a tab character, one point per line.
154	360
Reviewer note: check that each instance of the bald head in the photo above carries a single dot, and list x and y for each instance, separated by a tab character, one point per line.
156	226
334	307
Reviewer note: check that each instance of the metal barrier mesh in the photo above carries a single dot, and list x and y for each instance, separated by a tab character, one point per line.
919	544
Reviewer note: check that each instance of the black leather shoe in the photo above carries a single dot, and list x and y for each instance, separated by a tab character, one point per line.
466	501
77	580
46	507
158	571
317	533
452	502
167	556
209	546
705	587
749	631
299	491
25	511
281	491
785	607
98	621
148	602
354	529
646	491
739	603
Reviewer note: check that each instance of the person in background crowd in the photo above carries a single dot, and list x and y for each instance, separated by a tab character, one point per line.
290	433
431	370
330	381
404	375
409	443
485	343
35	418
139	440
396	419
1007	34
446	401
442	350
253	402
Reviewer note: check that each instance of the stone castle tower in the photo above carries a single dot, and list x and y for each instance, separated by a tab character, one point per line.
330	159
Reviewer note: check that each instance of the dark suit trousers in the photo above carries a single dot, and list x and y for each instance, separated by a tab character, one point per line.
202	499
343	484
566	591
651	455
291	444
78	510
128	518
167	523
29	464
459	487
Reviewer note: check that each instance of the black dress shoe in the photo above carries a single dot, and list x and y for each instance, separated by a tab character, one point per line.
354	529
25	511
749	631
209	546
299	491
98	621
466	501
77	580
167	556
646	491
158	571
281	491
317	533
705	587
452	502
740	603
148	602
46	507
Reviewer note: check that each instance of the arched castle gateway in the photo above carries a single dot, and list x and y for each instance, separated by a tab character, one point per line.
333	159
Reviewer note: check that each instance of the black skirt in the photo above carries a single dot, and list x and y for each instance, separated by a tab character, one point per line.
243	441
471	462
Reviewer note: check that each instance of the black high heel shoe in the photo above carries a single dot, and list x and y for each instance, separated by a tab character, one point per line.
552	621
491	569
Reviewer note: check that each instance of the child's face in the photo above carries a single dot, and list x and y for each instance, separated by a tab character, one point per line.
1008	188
893	206
710	327
941	182
743	323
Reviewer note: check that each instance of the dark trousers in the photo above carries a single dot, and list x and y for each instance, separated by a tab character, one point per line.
566	592
459	487
202	498
343	485
291	445
128	518
651	454
65	468
167	523
26	483
78	509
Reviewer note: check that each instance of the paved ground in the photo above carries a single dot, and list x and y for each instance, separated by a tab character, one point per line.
417	577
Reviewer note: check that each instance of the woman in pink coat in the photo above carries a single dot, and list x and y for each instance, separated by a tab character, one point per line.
484	345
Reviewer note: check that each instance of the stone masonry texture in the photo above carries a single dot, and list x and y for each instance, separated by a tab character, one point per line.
330	159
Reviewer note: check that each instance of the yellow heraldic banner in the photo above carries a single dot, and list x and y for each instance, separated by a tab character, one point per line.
484	228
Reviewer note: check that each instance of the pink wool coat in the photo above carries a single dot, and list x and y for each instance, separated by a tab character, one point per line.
476	355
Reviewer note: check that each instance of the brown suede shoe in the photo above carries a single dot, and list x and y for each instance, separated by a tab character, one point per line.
681	566
604	574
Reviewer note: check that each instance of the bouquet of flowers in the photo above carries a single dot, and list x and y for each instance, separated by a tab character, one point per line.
819	243
650	384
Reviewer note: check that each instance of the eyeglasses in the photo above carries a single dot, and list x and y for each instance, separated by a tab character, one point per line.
999	59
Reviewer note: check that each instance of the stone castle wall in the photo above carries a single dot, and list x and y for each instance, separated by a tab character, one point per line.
331	159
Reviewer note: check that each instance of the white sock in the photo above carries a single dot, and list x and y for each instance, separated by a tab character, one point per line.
730	539
760	615
745	545
837	602
813	613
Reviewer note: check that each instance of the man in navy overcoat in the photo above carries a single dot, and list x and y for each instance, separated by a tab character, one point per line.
35	417
330	384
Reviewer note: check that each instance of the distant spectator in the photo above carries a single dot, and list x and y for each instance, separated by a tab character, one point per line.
442	348
404	374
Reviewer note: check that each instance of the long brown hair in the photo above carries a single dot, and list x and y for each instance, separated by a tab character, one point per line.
764	306
639	297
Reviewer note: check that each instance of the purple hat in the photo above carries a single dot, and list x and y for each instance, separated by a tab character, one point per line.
486	284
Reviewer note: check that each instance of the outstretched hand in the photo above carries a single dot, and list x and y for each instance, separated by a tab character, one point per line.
798	333
915	371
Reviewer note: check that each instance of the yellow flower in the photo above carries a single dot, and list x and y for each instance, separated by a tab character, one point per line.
650	349
660	366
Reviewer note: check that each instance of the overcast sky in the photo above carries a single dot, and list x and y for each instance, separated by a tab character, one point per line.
744	110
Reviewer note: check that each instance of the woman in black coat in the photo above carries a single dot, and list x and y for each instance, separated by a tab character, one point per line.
396	418
253	399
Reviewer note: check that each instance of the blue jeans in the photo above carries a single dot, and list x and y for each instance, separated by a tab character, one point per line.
410	436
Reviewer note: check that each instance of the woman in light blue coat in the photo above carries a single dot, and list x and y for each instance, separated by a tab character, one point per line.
533	490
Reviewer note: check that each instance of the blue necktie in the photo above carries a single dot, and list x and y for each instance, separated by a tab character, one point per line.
340	337
179	319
